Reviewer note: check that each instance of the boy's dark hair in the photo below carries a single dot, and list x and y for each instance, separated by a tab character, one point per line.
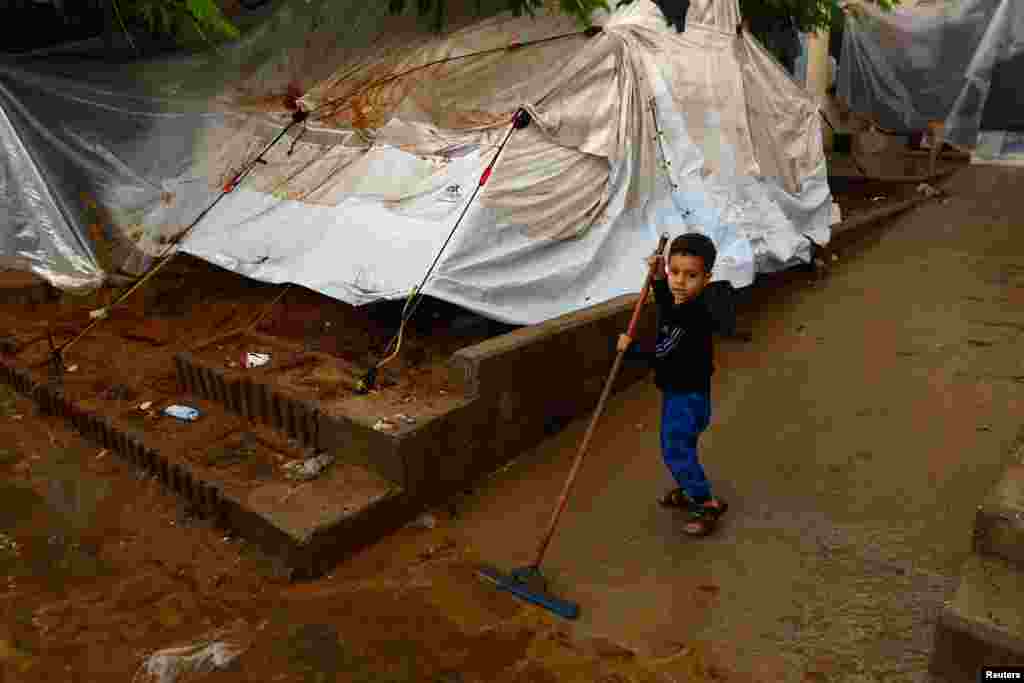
694	244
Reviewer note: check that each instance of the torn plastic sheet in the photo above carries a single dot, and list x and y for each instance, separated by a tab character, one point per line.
929	61
36	234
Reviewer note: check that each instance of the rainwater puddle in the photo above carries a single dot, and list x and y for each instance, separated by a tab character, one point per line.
41	535
318	652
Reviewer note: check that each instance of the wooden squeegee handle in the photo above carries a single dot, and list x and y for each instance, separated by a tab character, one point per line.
564	497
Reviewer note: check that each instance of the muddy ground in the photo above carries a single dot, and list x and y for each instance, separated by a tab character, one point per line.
858	195
101	569
853	437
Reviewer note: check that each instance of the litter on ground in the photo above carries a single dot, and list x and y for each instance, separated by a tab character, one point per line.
184	413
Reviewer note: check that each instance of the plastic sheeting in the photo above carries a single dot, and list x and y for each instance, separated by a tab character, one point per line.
929	61
1002	148
35	234
358	203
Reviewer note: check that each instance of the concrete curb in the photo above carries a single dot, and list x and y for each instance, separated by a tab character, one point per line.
875	216
900	179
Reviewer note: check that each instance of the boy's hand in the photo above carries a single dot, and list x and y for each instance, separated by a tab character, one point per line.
657	266
624	341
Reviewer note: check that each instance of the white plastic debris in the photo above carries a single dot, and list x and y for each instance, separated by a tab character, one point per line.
182	413
927	190
167	666
146	406
304	470
384	426
878	198
72	368
255	360
407	419
98	314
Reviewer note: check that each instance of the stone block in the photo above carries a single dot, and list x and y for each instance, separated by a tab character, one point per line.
999	521
984	623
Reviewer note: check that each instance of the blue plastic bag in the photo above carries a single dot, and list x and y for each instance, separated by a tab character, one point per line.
182	413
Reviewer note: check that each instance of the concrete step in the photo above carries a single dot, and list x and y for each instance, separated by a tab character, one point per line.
303	527
999	521
984	623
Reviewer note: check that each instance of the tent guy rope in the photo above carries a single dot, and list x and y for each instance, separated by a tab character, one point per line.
519	121
301	116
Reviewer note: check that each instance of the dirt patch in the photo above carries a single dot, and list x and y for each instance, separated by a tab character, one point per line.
190	303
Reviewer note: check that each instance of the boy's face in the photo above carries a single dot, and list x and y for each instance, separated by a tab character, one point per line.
686	277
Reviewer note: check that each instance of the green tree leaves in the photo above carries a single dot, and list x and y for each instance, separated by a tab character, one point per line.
172	18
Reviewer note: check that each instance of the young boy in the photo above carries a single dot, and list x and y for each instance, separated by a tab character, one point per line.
683	366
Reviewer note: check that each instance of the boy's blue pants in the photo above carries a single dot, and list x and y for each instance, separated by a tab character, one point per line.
683	418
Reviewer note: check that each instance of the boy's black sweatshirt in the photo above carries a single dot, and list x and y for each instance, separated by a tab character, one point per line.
683	354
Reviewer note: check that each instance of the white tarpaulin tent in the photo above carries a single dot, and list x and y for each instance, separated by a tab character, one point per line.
358	204
960	62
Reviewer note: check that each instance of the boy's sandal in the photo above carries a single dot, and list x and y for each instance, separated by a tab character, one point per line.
676	498
703	518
